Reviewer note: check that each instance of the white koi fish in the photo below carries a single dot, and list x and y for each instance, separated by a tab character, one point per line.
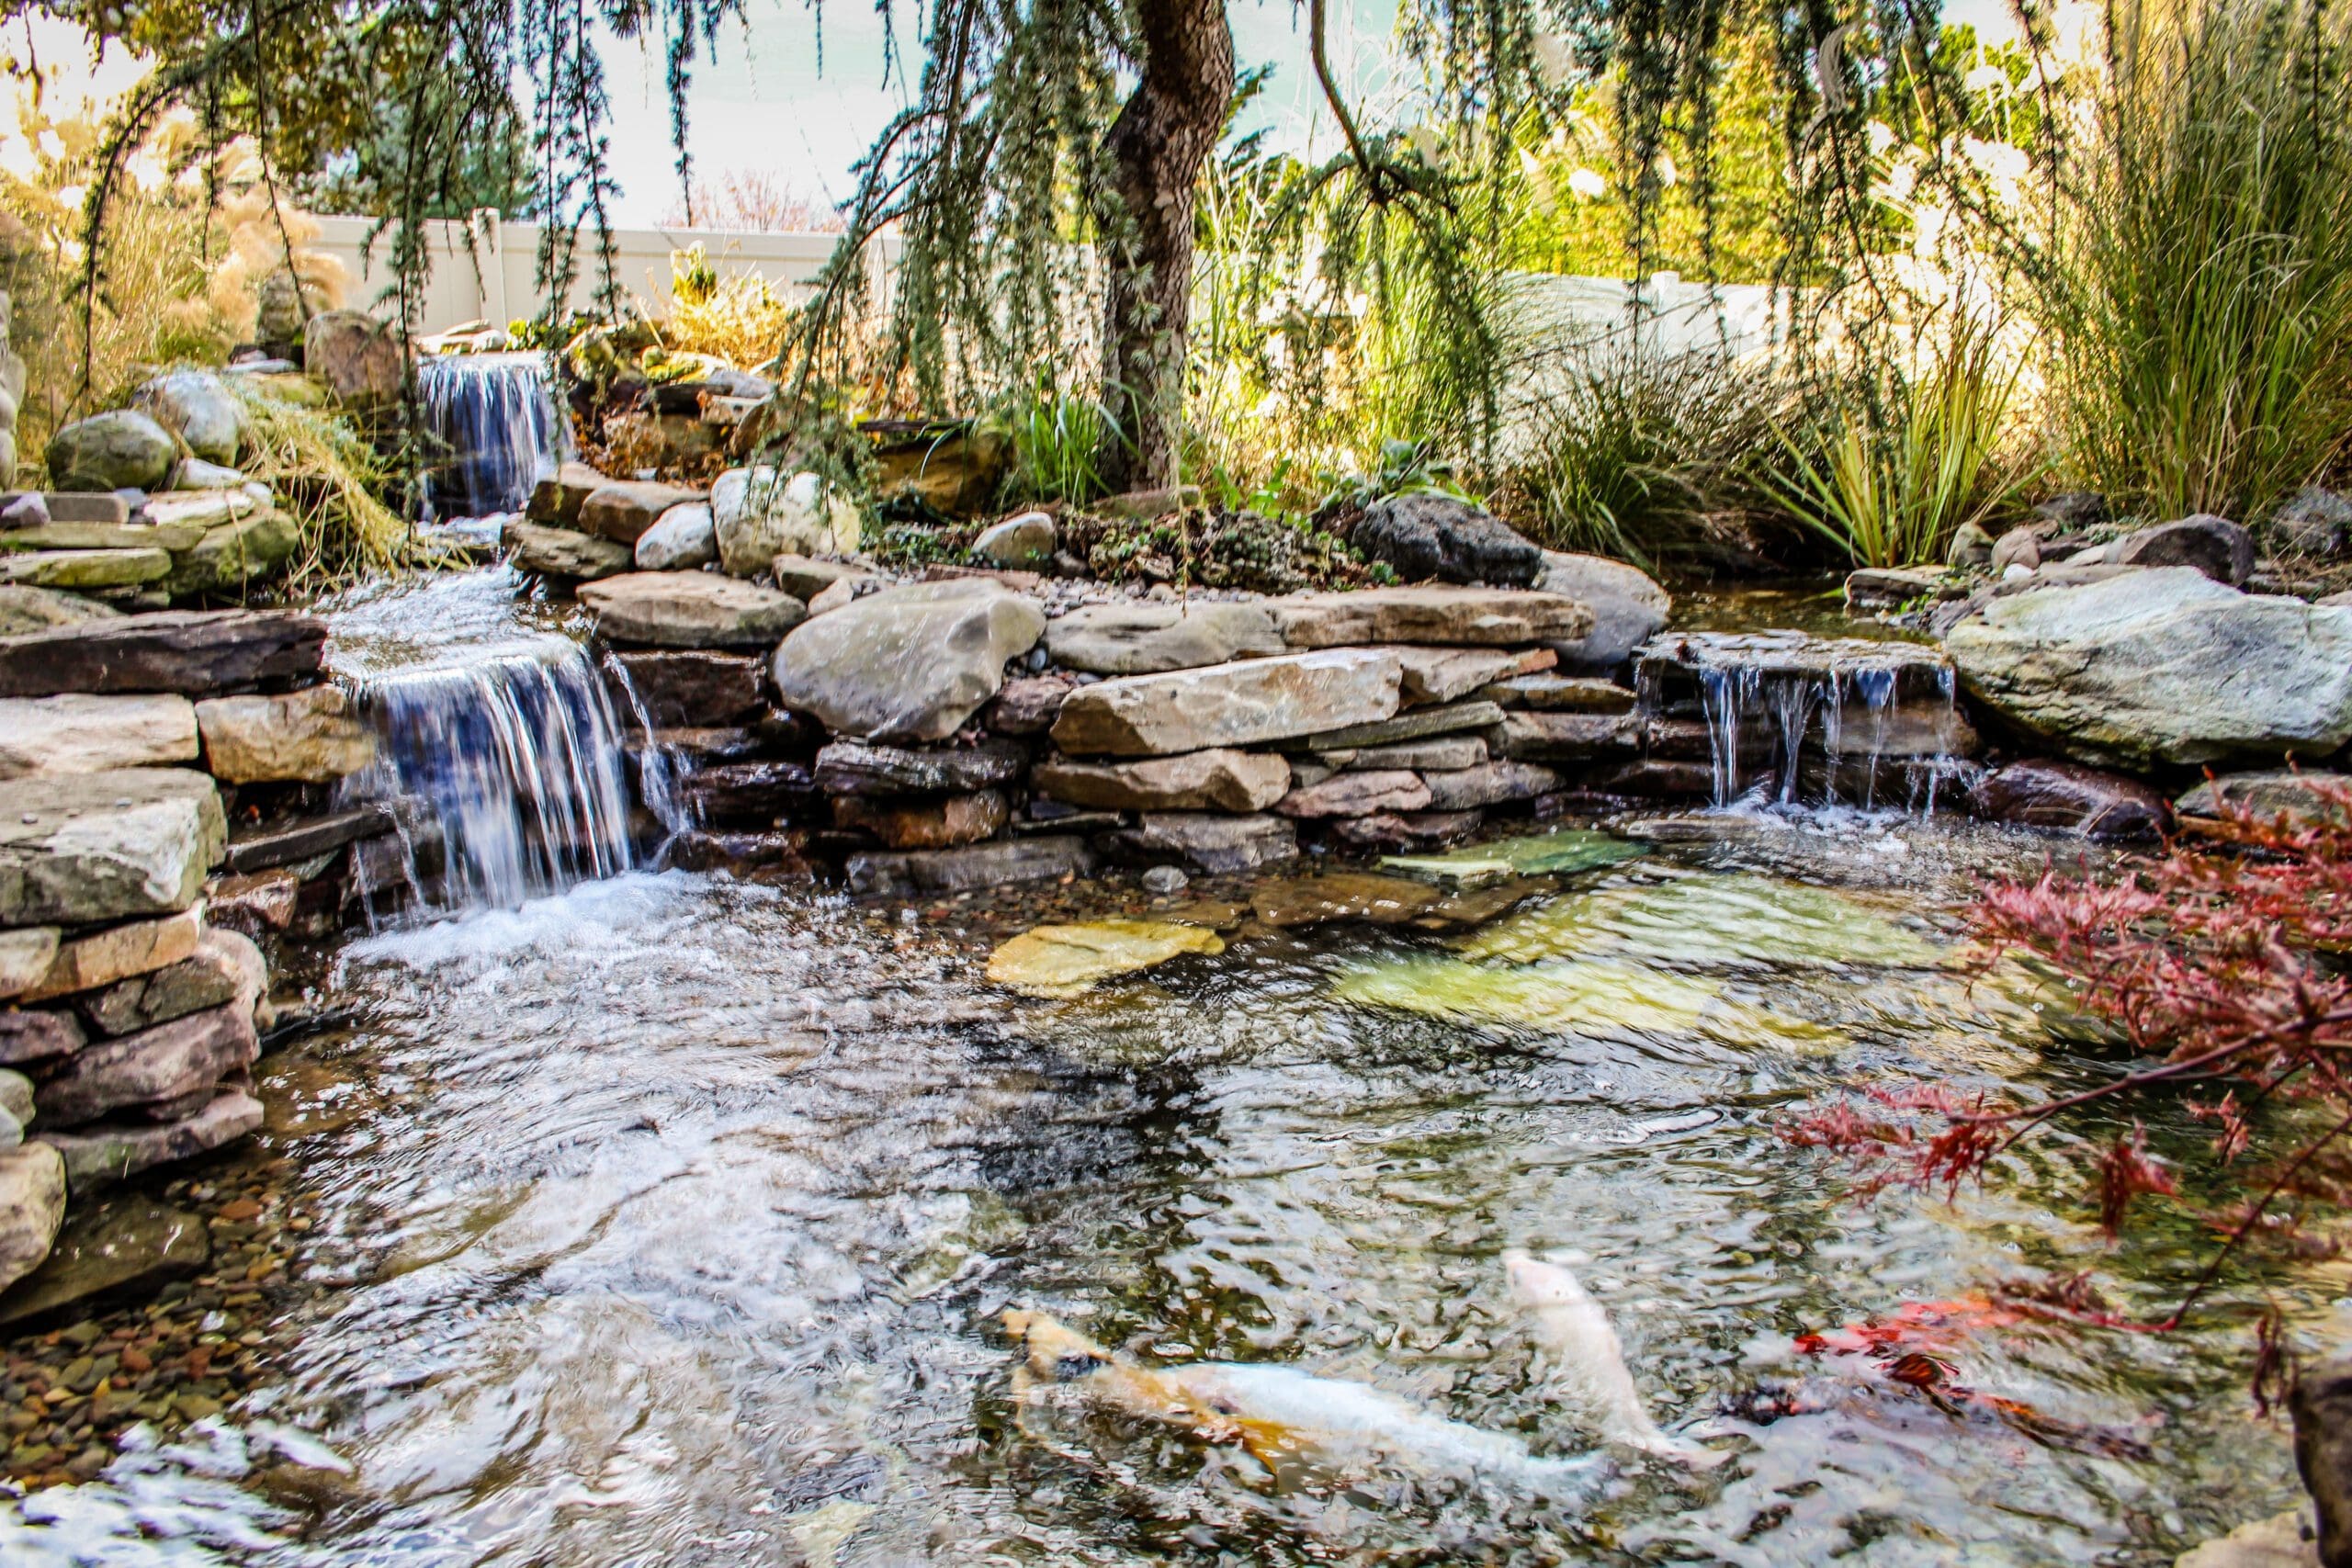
1586	1360
1280	1414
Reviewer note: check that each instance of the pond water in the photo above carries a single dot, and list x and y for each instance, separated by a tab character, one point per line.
668	1220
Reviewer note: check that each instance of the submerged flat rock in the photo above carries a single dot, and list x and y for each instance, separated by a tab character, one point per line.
1563	853
1063	960
1588	996
1707	922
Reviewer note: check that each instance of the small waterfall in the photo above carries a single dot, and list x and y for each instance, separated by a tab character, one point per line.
497	418
518	760
1825	719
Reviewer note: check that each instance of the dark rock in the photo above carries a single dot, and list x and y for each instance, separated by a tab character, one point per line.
1890	588
1207	840
1028	705
738	792
2076	799
1565	737
196	653
2303	795
1656	778
1445	537
2074	510
1408	830
2313	522
162	1063
934	824
2321	1403
699	851
2214	546
1047	859
254	902
692	689
31	1034
123	1249
291	843
556	500
857	767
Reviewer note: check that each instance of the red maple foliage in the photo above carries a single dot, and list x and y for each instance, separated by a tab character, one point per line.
2220	960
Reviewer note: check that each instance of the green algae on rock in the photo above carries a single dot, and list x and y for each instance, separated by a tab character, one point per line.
1710	921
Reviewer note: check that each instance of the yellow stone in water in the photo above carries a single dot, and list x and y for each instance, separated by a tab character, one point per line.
1705	922
1063	960
1580	997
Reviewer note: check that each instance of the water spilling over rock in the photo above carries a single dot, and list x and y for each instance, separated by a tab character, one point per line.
518	762
499	423
1811	718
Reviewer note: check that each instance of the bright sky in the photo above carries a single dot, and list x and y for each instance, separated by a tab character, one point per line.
766	106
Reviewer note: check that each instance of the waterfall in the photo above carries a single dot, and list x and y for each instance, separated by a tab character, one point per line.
497	420
517	760
1833	713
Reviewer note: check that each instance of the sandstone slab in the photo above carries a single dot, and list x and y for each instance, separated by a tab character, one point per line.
291	843
755	792
1148	639
224	967
1230	704
859	767
151	1066
102	957
624	511
1489	785
1340	895
312	736
1358	795
805	576
111	1152
254	903
24	609
196	653
1442	674
1065	961
1442	754
1479	617
108	846
79	734
690	609
924	824
563	552
25	956
1222	779
1416	723
1208	841
38	1034
1029	706
126	1249
1565	737
1406	831
2162	665
907	664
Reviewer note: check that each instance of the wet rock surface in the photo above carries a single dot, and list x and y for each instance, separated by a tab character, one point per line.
2073	798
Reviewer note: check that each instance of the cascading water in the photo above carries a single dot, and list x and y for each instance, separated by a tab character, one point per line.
518	762
1778	705
497	419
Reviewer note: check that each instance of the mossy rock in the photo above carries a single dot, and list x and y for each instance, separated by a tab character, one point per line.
234	554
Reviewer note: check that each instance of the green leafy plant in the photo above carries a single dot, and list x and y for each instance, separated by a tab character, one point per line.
1893	492
1403	467
1058	438
2199	288
1639	449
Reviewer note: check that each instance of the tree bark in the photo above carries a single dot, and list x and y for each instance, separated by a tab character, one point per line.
1156	148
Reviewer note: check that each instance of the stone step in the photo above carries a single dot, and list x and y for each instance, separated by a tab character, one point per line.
193	653
84	848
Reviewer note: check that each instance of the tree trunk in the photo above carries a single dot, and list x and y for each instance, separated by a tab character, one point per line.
1157	147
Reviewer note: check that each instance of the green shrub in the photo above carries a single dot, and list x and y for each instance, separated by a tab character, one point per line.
1892	490
2198	294
1058	438
1642	449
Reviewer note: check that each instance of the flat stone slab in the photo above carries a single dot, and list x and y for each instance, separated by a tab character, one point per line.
690	609
117	952
109	846
1047	859
694	688
1060	962
1358	795
1550	693
1442	674
1558	854
1224	780
557	500
106	1153
25	956
1229	704
194	653
38	1034
933	822
1482	617
224	967
122	1249
27	609
312	736
1567	736
1148	639
1421	723
2301	795
1489	785
1209	842
80	570
1441	754
623	510
153	1066
291	843
1340	895
563	552
862	767
81	734
174	536
234	554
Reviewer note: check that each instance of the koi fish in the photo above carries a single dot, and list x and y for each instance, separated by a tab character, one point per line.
1282	1417
1587	1359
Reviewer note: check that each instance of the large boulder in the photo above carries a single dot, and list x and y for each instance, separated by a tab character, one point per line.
759	514
2162	665
563	553
690	609
193	653
123	449
1025	542
312	736
1477	617
1445	537
2214	546
626	510
682	540
360	358
106	846
1147	638
234	554
1628	608
1230	704
32	1205
1222	780
76	734
907	664
199	408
